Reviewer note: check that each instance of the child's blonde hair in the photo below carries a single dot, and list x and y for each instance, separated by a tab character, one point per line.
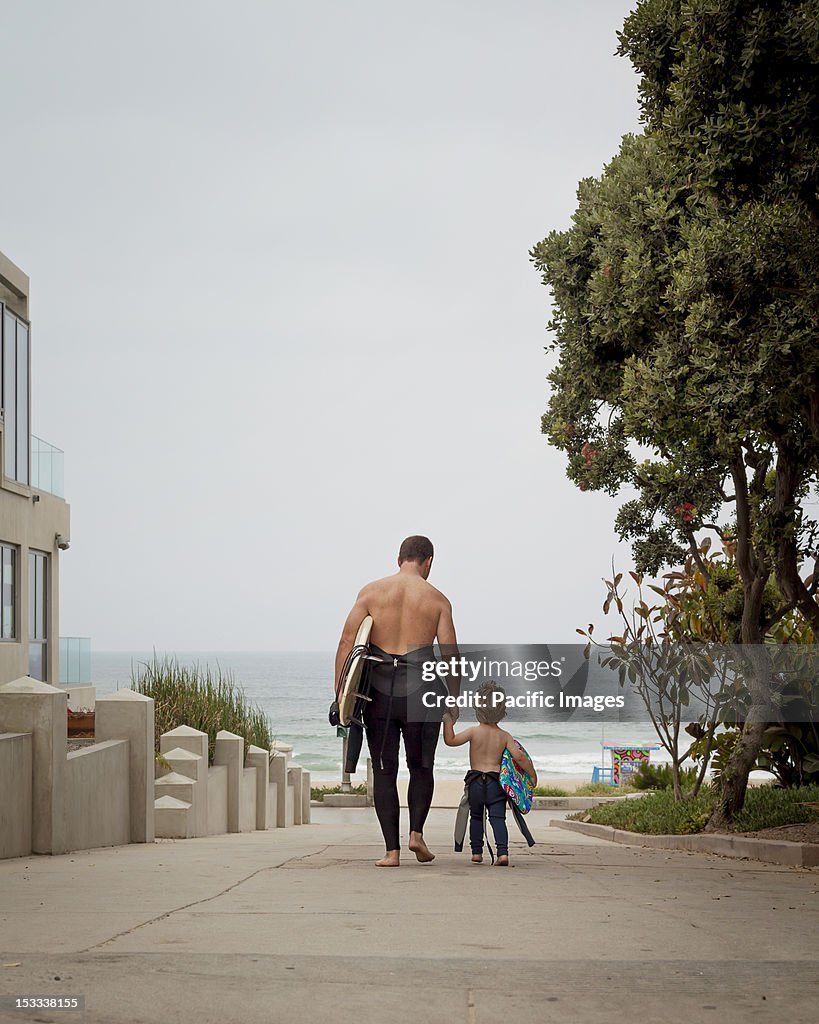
490	710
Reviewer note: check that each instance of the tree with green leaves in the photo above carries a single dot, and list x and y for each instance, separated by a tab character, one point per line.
686	313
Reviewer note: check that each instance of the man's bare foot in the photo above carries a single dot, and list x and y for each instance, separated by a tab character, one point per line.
477	858
420	848
391	859
503	862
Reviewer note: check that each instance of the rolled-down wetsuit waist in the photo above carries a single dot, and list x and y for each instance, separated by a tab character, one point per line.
401	674
476	773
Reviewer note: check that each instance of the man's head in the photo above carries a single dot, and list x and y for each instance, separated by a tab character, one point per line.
490	703
418	551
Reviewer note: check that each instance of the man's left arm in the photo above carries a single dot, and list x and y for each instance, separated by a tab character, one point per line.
448	643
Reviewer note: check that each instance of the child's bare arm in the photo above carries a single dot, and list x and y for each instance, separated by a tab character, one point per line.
453	739
521	759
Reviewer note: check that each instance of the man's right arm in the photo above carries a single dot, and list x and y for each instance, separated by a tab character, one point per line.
357	615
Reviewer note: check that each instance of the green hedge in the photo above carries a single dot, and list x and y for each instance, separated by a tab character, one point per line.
659	814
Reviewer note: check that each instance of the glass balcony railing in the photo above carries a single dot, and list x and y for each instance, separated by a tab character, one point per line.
75	660
47	467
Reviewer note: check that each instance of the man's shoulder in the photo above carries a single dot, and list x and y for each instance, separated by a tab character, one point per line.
375	585
439	596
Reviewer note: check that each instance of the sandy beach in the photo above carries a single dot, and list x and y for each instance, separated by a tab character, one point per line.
448	791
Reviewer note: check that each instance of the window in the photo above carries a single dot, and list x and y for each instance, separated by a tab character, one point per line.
38	615
8	592
15	397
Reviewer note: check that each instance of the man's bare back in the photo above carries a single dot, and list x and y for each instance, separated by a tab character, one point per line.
407	612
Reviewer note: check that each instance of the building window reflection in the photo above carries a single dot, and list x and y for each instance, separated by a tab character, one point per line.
8	592
38	615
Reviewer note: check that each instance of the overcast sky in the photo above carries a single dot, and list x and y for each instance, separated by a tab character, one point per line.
283	312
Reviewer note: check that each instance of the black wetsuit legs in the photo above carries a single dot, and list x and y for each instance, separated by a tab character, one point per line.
388	718
420	740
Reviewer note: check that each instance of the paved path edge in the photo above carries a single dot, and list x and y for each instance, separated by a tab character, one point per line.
770	851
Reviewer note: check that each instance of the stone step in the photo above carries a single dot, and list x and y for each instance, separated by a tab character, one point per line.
173	818
185	762
175	784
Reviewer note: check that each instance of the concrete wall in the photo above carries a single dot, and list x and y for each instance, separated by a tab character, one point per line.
217	799
27	705
106	794
229	751
247	806
278	776
15	794
267	791
98	805
129	715
186	750
272	804
54	802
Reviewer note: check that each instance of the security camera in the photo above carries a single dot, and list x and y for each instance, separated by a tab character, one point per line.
61	542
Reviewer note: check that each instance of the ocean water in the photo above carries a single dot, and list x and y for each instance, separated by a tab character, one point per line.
295	690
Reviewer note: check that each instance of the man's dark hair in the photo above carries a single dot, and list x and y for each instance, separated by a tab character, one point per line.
415	549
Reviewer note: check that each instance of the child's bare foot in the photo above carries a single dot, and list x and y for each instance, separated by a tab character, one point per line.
477	858
420	848
391	859
503	861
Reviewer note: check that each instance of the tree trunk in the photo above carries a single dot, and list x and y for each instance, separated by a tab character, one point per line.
706	758
754	572
675	775
734	781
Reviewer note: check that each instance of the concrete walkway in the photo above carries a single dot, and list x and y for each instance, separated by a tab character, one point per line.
297	924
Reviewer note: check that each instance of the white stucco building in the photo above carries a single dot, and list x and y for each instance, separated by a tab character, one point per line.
34	517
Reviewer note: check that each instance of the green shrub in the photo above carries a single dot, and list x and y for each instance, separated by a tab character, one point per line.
659	776
602	789
767	807
550	791
656	813
204	699
659	814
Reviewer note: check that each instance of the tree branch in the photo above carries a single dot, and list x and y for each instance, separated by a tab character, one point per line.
787	483
695	553
746	560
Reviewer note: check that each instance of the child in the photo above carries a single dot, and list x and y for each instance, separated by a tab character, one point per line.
487	742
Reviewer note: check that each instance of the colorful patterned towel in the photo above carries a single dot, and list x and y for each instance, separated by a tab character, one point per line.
515	782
